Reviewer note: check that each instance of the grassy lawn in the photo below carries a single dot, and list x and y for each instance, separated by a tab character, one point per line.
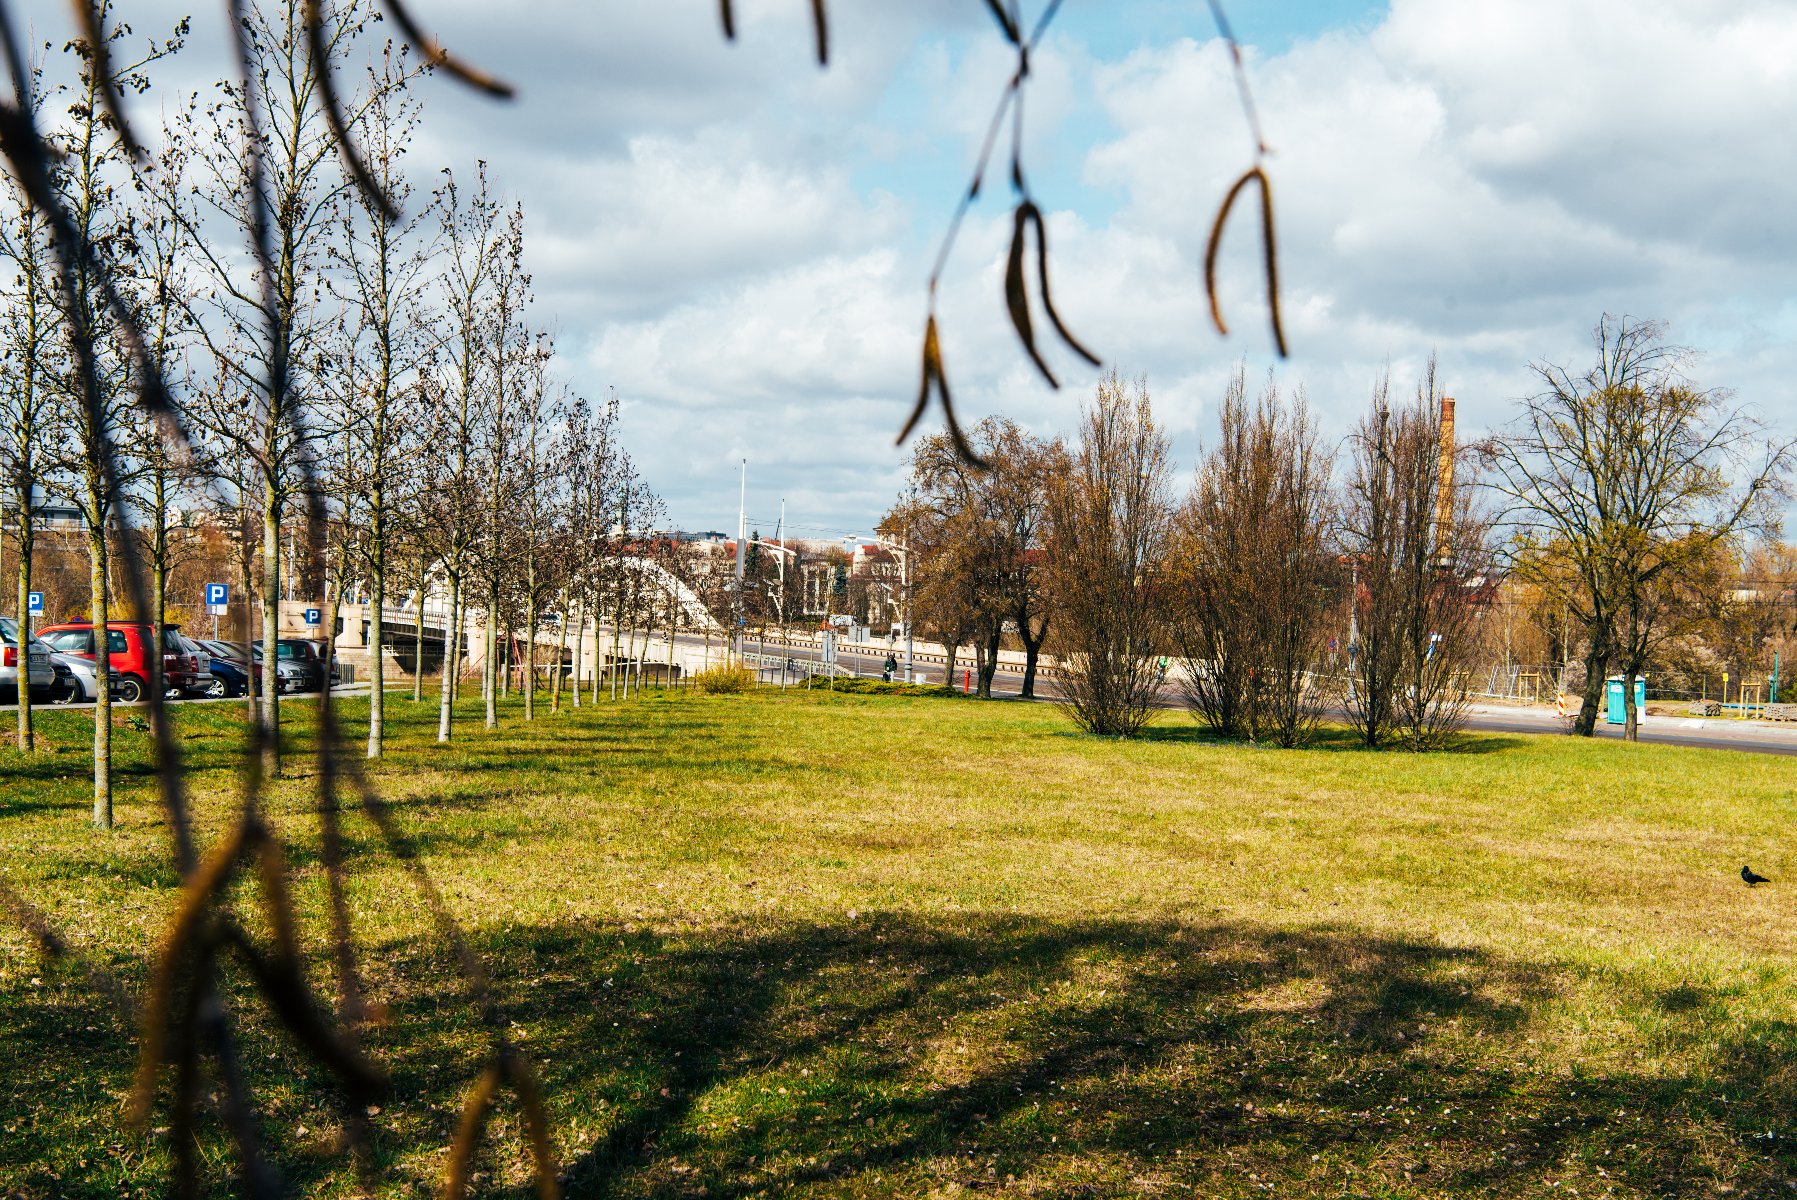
818	945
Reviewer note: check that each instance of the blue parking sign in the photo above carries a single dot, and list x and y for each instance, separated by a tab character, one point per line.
218	595
34	603
314	616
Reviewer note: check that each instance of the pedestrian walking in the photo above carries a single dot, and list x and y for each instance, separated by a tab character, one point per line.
890	666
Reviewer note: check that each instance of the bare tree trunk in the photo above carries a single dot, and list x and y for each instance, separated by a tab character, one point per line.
1631	718
490	670
617	623
561	660
377	668
452	649
509	659
458	613
418	636
271	629
96	578
580	637
158	600
528	685
989	661
27	739
1032	653
246	570
1597	662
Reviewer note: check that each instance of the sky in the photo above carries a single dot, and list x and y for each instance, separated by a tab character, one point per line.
738	242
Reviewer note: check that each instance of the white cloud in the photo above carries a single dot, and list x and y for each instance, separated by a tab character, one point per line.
1478	181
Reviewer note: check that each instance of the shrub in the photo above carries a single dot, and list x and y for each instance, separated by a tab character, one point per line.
881	687
724	680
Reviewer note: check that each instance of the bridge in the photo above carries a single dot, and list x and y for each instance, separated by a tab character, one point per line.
401	623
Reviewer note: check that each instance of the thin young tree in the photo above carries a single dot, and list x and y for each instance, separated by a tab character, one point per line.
265	165
471	231
167	478
508	350
381	266
96	392
31	438
538	577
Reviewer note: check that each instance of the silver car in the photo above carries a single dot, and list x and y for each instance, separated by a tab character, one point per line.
40	676
82	687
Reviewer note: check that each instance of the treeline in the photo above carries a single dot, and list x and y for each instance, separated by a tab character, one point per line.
386	390
1624	508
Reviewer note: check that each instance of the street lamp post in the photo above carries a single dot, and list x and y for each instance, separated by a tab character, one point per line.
783	553
903	553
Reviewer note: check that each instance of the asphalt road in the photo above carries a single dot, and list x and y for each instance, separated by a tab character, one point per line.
1716	733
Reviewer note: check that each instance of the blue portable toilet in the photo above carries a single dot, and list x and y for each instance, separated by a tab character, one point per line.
1615	714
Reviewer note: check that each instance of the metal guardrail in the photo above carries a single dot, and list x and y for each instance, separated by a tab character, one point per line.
877	649
802	669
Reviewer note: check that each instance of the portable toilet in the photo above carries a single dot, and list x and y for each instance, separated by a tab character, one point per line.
1615	713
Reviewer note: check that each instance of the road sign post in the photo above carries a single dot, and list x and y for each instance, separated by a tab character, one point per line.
34	607
314	618
218	597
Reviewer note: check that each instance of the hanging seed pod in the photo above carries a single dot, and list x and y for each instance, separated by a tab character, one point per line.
1257	176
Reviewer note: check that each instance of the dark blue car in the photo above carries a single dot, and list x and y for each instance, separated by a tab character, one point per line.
228	679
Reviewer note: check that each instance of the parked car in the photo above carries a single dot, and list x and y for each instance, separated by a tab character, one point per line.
40	676
219	676
128	646
308	657
64	688
76	679
291	674
234	658
317	649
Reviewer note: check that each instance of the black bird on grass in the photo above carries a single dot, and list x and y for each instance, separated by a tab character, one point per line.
1749	878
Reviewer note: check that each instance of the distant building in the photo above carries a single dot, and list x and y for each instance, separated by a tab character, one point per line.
49	514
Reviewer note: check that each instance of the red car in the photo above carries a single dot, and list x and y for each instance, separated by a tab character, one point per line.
126	646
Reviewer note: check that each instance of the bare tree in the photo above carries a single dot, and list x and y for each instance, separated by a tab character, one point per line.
167	478
382	264
974	534
266	166
508	349
471	230
1253	571
1108	520
1419	560
97	390
1618	479
538	484
31	442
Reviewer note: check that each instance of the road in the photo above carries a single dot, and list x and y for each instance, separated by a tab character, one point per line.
1715	733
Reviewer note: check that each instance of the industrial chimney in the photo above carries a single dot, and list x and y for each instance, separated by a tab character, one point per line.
1444	496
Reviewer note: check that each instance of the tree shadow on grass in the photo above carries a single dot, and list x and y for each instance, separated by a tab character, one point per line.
894	1055
890	1055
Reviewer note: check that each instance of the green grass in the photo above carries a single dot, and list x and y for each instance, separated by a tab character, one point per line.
812	944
